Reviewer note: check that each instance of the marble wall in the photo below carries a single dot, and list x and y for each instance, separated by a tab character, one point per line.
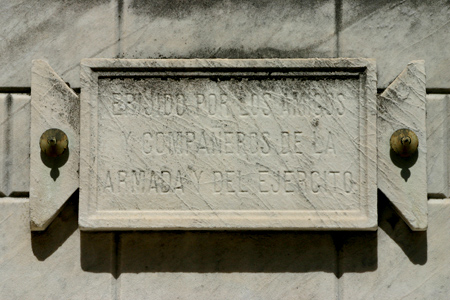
66	263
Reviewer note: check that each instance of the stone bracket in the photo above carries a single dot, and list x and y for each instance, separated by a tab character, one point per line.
404	180
52	180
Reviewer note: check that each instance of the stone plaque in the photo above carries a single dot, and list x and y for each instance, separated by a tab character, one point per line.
228	144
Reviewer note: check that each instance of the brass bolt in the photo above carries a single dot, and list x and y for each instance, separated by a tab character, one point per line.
54	142
404	142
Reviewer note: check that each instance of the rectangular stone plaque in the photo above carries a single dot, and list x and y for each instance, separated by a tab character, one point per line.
228	144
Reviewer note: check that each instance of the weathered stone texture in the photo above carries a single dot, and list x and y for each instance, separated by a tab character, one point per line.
248	150
227	265
14	144
409	265
396	32
64	263
47	265
404	180
228	29
52	180
438	139
63	32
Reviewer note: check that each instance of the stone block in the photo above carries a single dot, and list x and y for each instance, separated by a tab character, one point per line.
62	32
438	139
397	32
46	265
14	144
228	29
409	265
227	265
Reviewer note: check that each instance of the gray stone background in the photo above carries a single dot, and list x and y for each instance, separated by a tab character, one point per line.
64	263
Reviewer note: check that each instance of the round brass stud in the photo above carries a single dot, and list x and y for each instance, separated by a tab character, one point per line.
404	142
54	142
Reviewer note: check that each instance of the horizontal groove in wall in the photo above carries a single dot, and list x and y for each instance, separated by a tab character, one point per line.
438	91
432	196
27	90
15	90
16	195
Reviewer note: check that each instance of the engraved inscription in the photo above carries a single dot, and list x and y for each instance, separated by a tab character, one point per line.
232	144
150	103
227	181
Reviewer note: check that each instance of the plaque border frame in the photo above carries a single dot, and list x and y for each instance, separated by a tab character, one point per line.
364	219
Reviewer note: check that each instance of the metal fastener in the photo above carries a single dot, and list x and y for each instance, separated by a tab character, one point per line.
54	142
404	142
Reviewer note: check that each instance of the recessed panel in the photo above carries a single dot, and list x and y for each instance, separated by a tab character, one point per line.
227	144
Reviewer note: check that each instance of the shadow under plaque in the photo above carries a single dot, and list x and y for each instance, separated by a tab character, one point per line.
357	251
228	251
413	243
45	243
217	251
